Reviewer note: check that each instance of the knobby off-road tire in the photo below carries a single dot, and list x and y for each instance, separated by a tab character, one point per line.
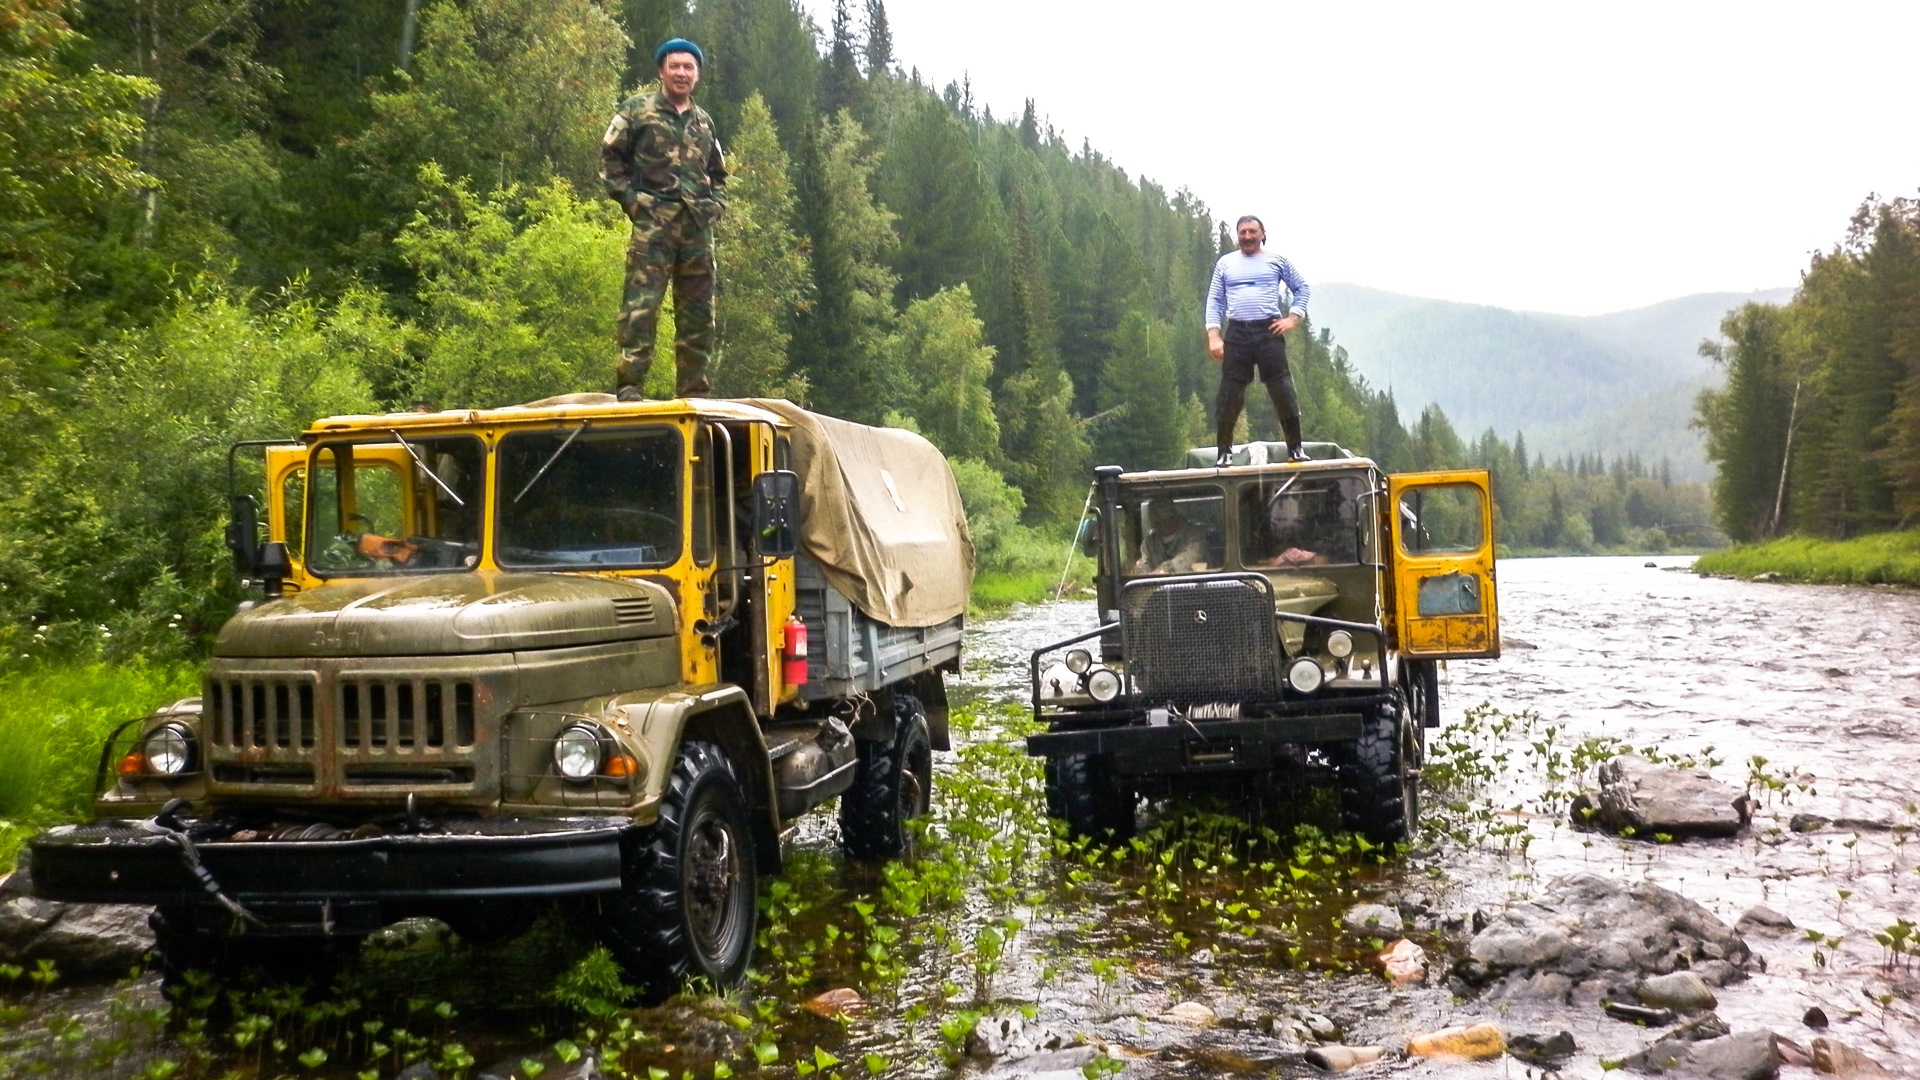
892	785
686	909
1083	792
1379	789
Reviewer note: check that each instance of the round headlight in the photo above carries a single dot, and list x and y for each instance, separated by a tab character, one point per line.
576	752
1103	685
1340	644
1304	675
1079	660
168	749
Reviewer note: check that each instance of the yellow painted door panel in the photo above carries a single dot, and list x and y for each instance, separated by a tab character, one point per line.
1443	596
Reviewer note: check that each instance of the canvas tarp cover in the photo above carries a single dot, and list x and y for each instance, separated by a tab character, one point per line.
881	515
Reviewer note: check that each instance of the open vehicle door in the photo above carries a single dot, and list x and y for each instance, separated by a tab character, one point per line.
1442	565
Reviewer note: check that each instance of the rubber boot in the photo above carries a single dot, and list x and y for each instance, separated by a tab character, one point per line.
1232	398
1291	426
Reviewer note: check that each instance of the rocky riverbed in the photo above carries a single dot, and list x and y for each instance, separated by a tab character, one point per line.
1674	839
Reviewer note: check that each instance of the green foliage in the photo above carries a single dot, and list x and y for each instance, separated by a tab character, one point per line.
1001	544
502	92
840	343
1877	559
516	292
938	344
53	719
762	263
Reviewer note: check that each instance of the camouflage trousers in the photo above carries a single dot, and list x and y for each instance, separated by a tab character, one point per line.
669	244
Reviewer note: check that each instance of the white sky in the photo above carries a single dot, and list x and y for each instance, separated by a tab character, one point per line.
1547	156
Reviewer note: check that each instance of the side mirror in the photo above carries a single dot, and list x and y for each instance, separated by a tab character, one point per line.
243	531
776	514
273	566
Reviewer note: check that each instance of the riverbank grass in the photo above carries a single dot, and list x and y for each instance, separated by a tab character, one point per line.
53	719
1880	559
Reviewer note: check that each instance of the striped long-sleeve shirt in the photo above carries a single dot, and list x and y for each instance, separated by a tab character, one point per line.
1254	287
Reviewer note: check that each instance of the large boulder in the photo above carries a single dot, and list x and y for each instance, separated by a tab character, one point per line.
1746	1055
1588	937
1654	800
81	939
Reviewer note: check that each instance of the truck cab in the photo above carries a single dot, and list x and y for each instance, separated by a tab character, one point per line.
552	651
1263	622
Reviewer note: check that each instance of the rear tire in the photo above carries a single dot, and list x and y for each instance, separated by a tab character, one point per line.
687	908
1379	789
892	785
1083	792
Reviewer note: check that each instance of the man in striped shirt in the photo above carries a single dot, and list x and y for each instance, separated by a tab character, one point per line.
1248	312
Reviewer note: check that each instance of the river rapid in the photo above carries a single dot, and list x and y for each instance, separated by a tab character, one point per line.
1808	695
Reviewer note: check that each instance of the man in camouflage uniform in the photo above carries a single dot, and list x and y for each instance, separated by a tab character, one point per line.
661	161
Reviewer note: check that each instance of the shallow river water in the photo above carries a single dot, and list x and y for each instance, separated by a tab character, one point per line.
1807	696
1821	684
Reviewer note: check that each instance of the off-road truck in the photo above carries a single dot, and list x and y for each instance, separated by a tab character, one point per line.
1263	625
581	649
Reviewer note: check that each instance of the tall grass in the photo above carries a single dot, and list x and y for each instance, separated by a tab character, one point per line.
1880	559
53	718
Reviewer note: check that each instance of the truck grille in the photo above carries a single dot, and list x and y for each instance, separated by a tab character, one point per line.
376	714
274	711
1201	640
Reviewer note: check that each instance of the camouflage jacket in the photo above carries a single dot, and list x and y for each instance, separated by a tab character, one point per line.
652	154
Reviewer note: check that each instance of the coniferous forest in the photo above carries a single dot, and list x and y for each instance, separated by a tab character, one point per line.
222	218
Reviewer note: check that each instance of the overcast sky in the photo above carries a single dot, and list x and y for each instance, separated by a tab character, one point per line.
1546	156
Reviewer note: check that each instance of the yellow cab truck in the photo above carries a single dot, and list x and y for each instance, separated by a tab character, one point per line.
1264	625
584	650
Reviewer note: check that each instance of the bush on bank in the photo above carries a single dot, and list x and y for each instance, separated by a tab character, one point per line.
1891	558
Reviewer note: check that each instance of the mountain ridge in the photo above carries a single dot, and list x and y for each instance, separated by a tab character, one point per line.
1615	383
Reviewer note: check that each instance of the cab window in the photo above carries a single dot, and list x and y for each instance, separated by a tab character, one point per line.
1303	522
582	496
1441	519
381	508
1173	531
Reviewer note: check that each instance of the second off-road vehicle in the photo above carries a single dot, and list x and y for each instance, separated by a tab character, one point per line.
1264	622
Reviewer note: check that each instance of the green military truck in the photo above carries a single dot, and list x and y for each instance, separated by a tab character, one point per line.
580	650
1265	624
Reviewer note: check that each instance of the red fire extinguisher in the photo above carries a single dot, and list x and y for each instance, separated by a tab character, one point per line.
793	658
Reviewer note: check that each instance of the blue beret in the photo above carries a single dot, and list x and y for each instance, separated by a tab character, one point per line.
675	45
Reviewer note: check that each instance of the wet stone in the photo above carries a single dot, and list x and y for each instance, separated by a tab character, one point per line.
1585	934
1761	917
1372	919
1835	1058
1654	800
549	1065
1067	1063
101	940
1807	823
1681	991
1815	1018
1542	1050
1192	1013
1012	1037
1750	1055
1339	1059
1477	1042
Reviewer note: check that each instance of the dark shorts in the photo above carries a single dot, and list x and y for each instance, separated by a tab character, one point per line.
1251	348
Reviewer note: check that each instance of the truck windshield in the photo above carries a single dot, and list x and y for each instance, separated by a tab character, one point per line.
588	496
1302	521
1175	531
393	507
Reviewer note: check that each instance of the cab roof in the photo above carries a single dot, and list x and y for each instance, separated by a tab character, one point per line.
547	410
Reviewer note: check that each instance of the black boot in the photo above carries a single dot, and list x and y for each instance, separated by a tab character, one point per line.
1291	426
1233	396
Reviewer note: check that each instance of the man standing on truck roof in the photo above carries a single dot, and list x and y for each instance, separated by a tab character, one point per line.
1246	296
661	161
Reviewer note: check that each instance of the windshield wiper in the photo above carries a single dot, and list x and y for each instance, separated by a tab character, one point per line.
551	458
426	468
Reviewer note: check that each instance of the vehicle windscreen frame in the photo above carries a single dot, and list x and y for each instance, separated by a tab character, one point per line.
588	509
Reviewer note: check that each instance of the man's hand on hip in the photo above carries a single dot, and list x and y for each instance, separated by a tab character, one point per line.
1282	325
1216	348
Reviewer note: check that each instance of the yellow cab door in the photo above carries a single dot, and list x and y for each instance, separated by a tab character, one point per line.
1444	605
286	493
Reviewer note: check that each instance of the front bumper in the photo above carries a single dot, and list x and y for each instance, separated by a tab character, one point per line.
1137	747
138	862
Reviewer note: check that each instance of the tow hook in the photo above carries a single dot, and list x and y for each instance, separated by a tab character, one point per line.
167	823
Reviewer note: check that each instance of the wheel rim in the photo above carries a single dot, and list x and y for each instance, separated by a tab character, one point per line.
714	877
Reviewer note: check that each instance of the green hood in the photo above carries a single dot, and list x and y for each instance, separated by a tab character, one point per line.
450	614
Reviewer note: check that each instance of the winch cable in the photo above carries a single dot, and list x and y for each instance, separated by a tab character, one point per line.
164	823
1073	544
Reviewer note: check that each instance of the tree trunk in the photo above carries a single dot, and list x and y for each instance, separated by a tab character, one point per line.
1786	456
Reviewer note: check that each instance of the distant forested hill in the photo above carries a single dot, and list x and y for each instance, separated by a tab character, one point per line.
1614	384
